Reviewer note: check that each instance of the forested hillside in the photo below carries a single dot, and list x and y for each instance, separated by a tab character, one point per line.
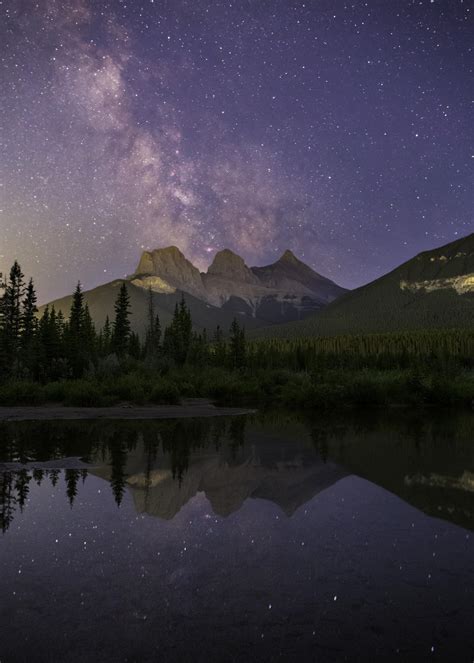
434	290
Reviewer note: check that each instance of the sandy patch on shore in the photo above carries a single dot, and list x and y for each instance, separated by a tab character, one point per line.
188	409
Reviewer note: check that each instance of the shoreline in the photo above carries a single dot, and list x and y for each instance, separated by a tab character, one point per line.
193	408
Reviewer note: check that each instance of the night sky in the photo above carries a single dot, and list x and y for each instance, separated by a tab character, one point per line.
341	130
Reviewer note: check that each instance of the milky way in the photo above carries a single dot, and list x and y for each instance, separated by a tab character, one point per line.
341	130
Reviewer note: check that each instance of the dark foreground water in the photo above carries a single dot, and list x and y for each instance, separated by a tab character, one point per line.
246	539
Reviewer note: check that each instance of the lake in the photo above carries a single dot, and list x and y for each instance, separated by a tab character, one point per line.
254	538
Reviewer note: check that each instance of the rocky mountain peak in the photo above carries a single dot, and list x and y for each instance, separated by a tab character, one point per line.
173	268
288	257
290	274
150	260
229	265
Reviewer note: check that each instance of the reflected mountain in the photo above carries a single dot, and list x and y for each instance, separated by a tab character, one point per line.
227	477
428	461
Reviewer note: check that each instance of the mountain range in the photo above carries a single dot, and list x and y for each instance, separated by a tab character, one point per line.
287	298
284	291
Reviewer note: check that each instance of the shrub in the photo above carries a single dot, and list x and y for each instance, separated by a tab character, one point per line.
82	393
366	390
55	392
235	391
127	388
164	392
21	392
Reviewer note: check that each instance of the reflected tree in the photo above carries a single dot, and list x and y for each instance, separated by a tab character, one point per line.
118	461
72	478
8	500
54	476
22	486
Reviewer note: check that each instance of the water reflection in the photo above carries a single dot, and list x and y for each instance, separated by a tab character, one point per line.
247	539
427	461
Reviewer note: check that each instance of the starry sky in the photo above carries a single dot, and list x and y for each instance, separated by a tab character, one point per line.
341	130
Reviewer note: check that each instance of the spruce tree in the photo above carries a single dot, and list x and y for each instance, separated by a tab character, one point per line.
106	337
178	335
76	316
55	343
134	346
28	315
11	319
75	350
89	336
237	345
153	332
121	325
219	347
48	346
28	328
184	332
198	349
156	335
3	349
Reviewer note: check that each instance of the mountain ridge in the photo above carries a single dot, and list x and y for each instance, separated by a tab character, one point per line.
434	289
229	288
285	288
287	298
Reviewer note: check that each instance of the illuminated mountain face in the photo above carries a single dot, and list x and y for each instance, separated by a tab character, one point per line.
167	270
461	284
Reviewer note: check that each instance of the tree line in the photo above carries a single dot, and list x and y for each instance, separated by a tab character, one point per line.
430	349
52	347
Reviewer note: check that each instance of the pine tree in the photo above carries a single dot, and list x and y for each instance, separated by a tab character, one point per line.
198	350
219	347
28	315
89	335
55	343
11	319
134	346
75	350
28	328
151	312
177	338
121	325
106	337
3	349
153	333
184	332
156	334
237	345
76	316
43	359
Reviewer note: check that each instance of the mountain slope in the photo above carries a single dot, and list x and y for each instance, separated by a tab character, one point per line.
433	290
289	273
101	303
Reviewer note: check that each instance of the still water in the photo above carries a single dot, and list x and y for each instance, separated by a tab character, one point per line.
255	538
